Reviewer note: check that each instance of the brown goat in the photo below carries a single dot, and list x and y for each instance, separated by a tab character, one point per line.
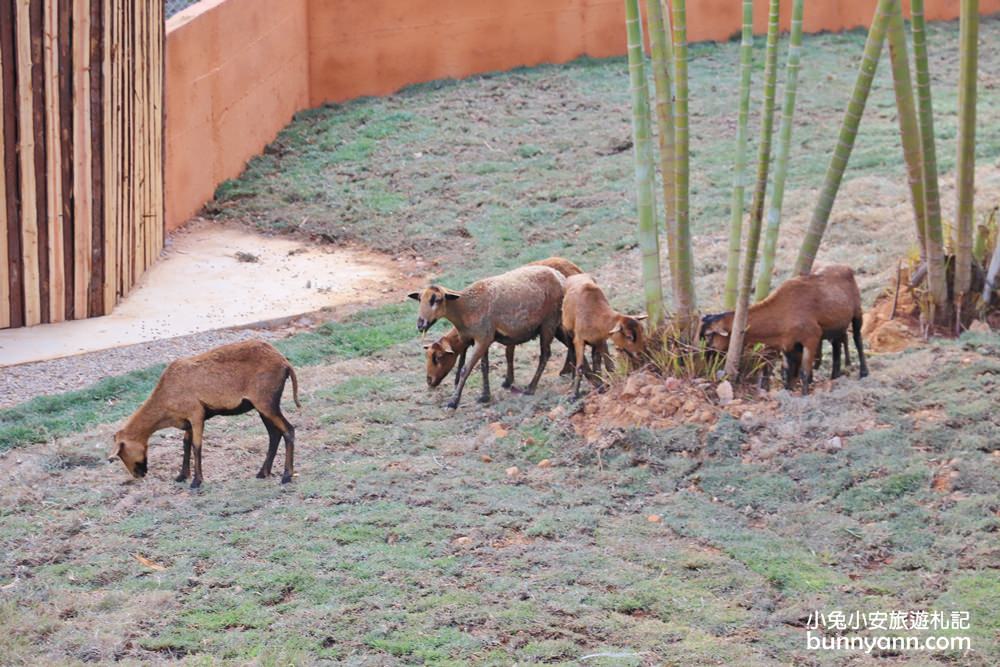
511	308
229	380
588	319
796	317
442	354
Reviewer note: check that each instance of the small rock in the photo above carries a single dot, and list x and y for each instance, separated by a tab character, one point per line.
513	471
556	412
725	392
485	458
653	518
632	387
462	541
834	443
545	463
979	326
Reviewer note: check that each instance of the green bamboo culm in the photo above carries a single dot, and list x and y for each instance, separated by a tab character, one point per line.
784	148
845	142
659	42
934	253
757	207
966	164
739	172
685	296
649	240
909	130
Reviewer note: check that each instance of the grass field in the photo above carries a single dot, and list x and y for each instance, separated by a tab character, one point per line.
404	540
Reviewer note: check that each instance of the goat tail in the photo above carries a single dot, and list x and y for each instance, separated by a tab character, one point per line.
295	385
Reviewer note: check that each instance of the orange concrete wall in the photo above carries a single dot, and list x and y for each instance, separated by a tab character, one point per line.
378	46
236	71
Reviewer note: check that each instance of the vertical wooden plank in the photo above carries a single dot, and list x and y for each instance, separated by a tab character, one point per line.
37	17
66	73
4	267
53	161
98	71
29	205
82	201
111	175
8	107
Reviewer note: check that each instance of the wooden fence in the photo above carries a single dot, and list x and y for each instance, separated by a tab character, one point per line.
81	156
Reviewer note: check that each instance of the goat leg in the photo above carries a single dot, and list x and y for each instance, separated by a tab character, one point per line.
859	344
478	352
197	430
274	437
186	463
509	380
484	365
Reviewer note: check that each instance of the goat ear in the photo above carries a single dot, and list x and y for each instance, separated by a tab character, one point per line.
115	451
640	318
723	333
414	295
618	327
446	347
451	296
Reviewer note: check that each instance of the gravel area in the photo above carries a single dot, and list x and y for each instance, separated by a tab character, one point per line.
26	381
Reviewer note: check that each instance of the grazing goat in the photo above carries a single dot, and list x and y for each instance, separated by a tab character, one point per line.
588	319
445	351
229	380
511	308
795	318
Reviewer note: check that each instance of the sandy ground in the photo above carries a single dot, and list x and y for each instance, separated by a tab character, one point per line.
214	276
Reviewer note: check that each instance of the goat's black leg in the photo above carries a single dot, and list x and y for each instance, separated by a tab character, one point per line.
835	371
569	365
484	365
545	342
859	344
274	437
508	381
186	462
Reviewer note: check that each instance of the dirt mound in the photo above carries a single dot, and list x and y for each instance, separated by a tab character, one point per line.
893	323
646	399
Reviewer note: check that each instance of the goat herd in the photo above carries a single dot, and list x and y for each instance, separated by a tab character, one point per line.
548	299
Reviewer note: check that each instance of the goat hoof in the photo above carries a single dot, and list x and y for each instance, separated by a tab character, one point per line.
864	373
196	484
181	478
286	478
485	398
507	385
453	405
262	475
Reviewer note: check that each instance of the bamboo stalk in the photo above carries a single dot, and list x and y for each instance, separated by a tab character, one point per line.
784	148
735	350
966	162
739	172
649	244
82	201
845	142
686	299
53	159
659	40
907	113
936	279
29	203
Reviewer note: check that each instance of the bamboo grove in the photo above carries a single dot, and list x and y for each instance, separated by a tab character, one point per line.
951	271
